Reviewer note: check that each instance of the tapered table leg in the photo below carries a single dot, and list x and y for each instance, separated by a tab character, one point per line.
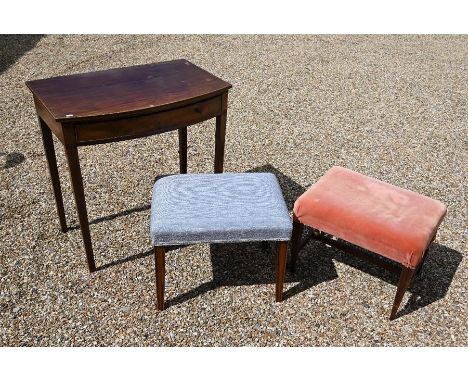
53	171
77	184
220	137
183	150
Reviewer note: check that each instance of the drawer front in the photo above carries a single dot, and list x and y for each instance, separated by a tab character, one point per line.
144	125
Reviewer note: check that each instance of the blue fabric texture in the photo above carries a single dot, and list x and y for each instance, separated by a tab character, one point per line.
218	208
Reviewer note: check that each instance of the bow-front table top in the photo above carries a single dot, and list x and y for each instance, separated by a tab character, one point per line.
125	91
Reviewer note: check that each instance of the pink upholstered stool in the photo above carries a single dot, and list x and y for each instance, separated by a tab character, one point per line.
395	223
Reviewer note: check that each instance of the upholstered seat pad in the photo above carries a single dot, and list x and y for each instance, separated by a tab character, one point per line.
208	208
391	221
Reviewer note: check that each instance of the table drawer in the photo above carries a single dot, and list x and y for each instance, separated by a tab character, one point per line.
144	125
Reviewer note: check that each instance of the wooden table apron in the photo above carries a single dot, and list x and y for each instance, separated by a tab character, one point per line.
113	128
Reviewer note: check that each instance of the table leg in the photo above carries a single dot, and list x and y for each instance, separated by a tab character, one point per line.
219	142
183	150
220	135
53	171
78	191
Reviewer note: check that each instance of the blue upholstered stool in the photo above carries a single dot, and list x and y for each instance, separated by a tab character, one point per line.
218	208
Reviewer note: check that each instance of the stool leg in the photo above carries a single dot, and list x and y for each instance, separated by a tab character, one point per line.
280	269
405	280
295	242
159	255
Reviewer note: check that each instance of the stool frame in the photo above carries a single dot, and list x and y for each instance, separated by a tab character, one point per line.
160	265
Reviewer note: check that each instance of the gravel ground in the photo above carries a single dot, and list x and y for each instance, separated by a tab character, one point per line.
392	107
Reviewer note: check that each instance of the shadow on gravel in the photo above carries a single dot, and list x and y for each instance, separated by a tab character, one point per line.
248	264
434	281
12	159
144	207
13	46
430	285
135	257
124	260
120	214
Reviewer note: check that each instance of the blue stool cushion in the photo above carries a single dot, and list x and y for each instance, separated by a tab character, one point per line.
218	208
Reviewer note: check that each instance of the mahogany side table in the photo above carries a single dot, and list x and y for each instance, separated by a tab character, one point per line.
119	104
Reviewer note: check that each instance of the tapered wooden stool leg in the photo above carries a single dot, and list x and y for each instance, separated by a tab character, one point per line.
280	269
405	280
159	255
295	242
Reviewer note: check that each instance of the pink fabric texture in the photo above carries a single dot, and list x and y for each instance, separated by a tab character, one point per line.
391	221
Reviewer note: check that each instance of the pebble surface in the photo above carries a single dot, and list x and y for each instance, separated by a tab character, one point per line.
391	107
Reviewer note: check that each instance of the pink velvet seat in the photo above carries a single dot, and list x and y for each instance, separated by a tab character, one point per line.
396	223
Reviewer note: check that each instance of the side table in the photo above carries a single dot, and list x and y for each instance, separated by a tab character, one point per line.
119	104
